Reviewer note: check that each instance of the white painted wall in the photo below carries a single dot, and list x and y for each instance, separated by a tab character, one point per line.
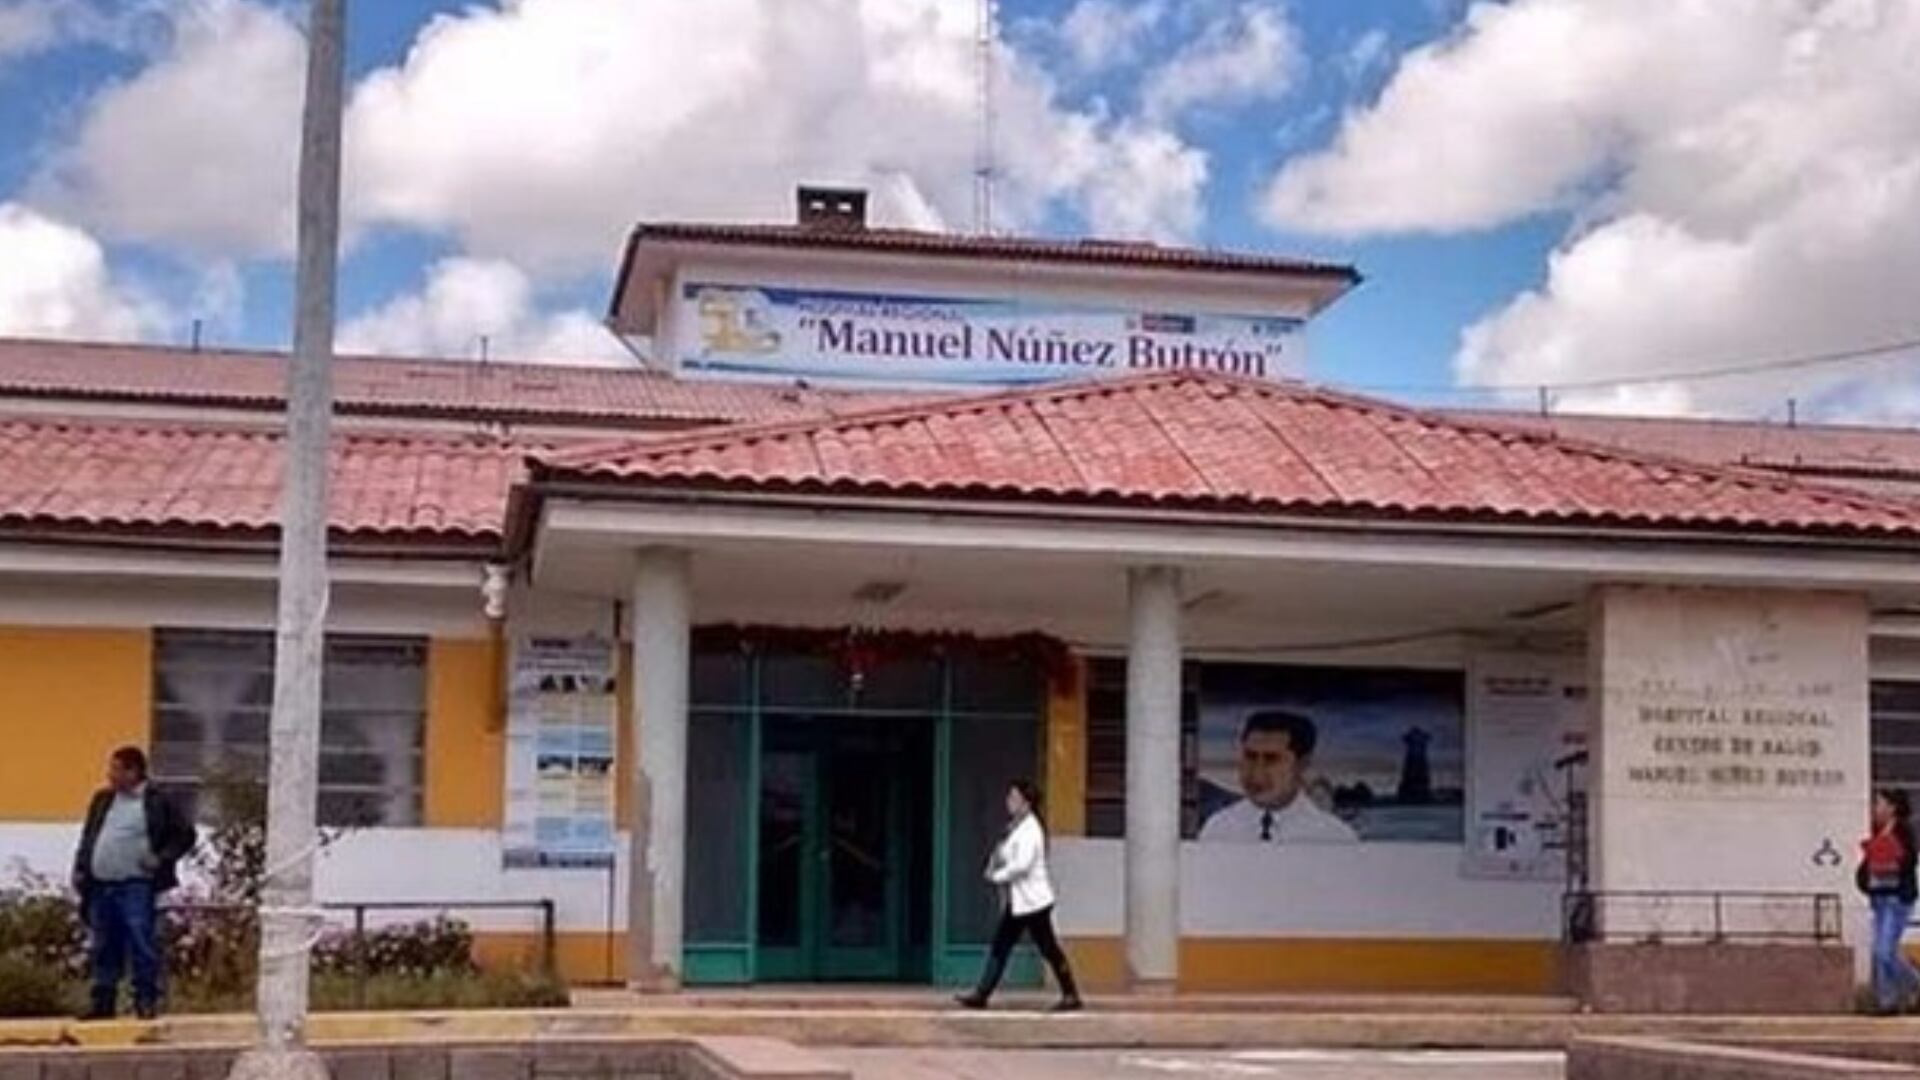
58	601
428	865
1361	891
1659	653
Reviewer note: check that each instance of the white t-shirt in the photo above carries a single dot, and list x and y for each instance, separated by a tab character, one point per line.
1299	822
1020	864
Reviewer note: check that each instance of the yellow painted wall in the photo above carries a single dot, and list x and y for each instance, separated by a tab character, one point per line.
1338	965
1208	965
68	699
1066	746
465	738
582	958
627	753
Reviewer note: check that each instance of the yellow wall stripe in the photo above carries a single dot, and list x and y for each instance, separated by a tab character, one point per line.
1066	743
627	752
581	958
1251	965
465	743
1339	965
68	699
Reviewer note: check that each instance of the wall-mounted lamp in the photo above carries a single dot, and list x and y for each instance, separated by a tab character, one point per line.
493	591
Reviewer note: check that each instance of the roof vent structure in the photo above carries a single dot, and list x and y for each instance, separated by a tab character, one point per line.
832	209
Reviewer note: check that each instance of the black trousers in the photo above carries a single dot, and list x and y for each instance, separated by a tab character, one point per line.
1038	926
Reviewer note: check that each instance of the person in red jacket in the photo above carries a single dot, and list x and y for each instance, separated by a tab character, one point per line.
1886	875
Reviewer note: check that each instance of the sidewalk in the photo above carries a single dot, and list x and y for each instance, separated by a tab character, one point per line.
1201	1065
923	1021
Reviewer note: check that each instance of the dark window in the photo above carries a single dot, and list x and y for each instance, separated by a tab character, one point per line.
907	683
1896	736
1107	750
212	701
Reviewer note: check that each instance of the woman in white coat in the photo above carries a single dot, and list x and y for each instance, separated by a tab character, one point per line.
1019	867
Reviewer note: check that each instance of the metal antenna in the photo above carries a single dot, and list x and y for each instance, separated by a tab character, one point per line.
985	167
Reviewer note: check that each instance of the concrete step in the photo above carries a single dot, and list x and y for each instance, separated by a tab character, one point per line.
1004	1027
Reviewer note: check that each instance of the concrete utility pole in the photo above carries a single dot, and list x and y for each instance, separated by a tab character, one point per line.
288	918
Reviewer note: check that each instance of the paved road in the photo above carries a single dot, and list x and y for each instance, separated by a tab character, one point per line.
1161	1065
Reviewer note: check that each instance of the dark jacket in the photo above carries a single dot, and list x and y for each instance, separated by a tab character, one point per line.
1909	888
170	833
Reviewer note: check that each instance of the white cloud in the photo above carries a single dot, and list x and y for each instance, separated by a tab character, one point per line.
541	131
1248	53
1105	34
219	297
29	27
26	27
466	300
198	150
54	282
1367	53
1138	182
1754	200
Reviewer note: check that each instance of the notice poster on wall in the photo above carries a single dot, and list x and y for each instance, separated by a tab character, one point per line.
1527	745
561	749
764	330
1325	755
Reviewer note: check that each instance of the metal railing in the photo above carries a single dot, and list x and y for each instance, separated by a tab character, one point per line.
359	910
1654	916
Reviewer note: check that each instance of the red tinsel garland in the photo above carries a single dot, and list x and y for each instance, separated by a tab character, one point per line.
859	652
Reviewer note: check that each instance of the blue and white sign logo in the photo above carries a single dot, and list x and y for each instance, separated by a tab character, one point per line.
864	337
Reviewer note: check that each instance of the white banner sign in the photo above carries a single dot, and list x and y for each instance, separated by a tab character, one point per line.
1526	747
561	748
876	338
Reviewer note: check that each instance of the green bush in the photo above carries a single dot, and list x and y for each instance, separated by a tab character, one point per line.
29	988
421	950
40	924
211	942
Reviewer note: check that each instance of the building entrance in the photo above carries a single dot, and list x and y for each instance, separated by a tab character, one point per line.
839	818
845	849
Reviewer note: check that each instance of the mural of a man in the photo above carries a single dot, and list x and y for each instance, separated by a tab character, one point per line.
1276	748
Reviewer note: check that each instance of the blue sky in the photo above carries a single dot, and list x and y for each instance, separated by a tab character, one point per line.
1538	192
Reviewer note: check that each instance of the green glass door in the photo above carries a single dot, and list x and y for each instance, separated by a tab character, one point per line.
837	825
836	850
789	893
862	865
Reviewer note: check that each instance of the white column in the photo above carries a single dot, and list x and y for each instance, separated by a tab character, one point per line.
1153	778
662	621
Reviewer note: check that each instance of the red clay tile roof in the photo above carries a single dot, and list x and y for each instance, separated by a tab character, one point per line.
1883	458
451	389
960	245
1191	441
62	477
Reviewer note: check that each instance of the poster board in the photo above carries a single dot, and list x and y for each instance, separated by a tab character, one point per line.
562	751
1526	745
